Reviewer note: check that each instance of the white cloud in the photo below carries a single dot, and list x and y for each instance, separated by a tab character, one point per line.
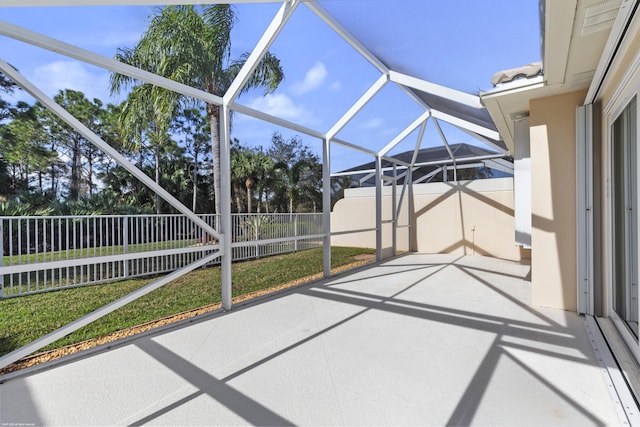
374	123
119	39
312	79
335	86
280	105
60	75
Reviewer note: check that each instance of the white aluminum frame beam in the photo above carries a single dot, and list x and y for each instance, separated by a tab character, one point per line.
394	212
23	3
103	259
225	207
465	159
75	124
446	146
256	114
354	146
358	105
33	346
371	172
250	65
411	94
485	140
326	207
464	124
413	126
428	176
347	173
396	161
408	183
410	169
378	203
417	165
499	165
53	45
471	165
347	36
419	140
436	89
261	48
367	177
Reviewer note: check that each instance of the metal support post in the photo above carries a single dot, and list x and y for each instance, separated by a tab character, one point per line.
410	214
225	207
326	207
394	212
2	257
257	234
378	208
125	243
295	232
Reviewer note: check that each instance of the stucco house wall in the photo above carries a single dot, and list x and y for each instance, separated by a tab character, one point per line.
553	200
466	218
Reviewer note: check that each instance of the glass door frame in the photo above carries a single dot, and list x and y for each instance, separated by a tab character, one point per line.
613	112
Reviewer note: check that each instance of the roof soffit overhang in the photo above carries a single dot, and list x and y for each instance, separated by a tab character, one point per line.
574	34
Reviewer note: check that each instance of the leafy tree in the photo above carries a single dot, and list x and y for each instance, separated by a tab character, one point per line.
249	170
145	119
48	124
289	178
194	127
25	152
81	153
298	174
26	204
240	169
173	176
193	46
6	86
109	129
263	169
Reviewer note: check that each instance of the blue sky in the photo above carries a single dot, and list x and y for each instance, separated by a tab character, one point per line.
457	43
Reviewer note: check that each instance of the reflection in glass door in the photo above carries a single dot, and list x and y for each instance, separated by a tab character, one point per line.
625	217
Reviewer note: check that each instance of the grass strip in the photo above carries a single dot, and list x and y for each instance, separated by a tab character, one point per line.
24	319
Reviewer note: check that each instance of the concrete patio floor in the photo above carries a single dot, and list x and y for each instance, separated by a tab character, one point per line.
417	340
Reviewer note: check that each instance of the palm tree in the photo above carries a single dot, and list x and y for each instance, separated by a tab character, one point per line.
291	178
145	119
192	124
193	46
244	167
263	174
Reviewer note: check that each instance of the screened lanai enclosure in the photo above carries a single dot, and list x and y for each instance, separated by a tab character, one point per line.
447	181
437	117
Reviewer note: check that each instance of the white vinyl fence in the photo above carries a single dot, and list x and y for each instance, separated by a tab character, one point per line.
45	253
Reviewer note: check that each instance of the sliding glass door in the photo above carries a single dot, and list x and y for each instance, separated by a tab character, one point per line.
624	187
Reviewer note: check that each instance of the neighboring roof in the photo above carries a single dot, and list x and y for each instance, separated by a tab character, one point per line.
526	71
431	154
430	160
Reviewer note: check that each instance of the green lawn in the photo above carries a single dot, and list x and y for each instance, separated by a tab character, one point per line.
27	318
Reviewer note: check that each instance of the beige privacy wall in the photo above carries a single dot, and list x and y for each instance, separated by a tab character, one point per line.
466	218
